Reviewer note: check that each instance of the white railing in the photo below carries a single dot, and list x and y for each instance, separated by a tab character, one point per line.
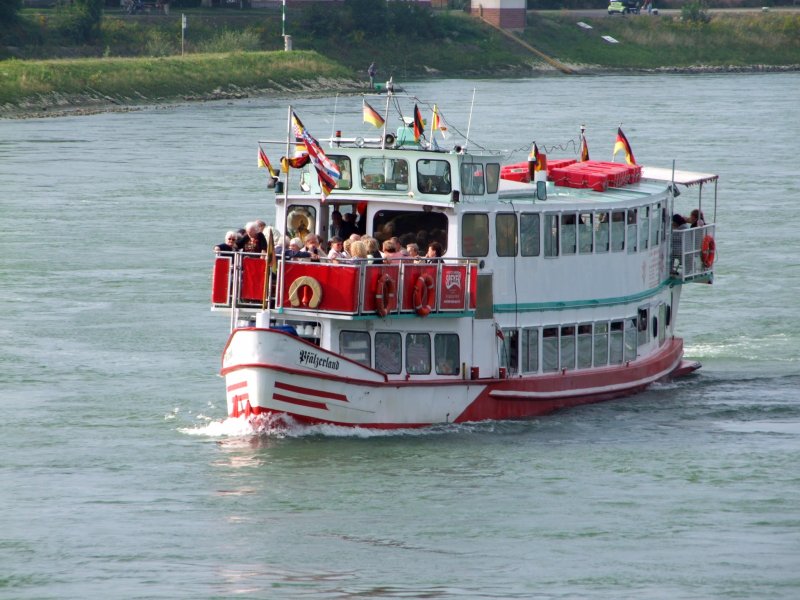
693	252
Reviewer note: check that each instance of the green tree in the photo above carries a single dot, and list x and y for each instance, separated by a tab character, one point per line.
9	10
88	15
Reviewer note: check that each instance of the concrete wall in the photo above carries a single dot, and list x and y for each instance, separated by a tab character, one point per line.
508	14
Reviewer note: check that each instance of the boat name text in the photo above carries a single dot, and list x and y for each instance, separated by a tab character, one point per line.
315	360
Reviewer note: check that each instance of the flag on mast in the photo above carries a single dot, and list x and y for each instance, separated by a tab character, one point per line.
438	122
263	162
584	148
327	171
419	124
622	144
372	116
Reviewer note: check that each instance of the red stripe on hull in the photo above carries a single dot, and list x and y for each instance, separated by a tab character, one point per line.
299	402
237	386
308	392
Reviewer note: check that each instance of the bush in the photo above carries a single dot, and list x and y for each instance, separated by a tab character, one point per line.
695	11
231	41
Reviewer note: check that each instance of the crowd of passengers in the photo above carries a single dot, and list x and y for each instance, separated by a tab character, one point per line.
354	248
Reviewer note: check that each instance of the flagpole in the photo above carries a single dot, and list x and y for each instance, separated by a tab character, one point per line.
386	114
469	123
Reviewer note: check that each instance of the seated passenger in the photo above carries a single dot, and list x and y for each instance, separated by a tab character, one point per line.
697	218
337	252
313	246
678	222
229	245
358	250
435	252
412	251
390	252
254	241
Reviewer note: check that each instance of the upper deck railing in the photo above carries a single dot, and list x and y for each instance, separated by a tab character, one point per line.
251	282
693	253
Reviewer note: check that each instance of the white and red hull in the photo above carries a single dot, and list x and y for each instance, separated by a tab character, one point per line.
268	372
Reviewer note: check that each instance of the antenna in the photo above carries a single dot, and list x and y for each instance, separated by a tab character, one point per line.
469	123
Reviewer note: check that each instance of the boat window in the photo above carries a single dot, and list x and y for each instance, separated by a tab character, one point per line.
585	346
600	344
644	228
418	353
433	176
662	318
568	347
615	343
355	345
631	230
601	237
417	227
585	233
568	233
551	235
388	352
472	178
492	177
509	357
529	234
530	349
642	326
346	173
631	335
655	225
300	221
550	349
448	356
618	230
505	225
474	234
384	174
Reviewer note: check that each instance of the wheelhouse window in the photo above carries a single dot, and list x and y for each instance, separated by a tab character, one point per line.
529	234
472	182
384	174
530	349
601	236
568	233
345	171
506	233
492	177
447	354
475	234
551	235
388	352
419	227
418	353
433	176
355	345
618	230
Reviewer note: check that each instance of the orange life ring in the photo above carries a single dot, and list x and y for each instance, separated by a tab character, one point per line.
384	294
423	283
709	251
316	292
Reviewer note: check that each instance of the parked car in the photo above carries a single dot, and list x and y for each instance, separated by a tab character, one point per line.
624	7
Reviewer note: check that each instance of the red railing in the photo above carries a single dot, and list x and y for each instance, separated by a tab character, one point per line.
245	281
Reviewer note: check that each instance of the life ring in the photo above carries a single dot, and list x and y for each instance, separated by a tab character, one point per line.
316	292
384	294
709	251
424	301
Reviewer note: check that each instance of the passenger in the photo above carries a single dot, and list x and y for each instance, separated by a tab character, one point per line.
697	218
229	245
358	250
412	251
313	246
295	250
678	222
254	241
390	252
435	252
337	252
336	224
373	251
348	227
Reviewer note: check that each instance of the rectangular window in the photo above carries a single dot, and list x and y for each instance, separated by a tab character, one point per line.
631	336
600	344
631	230
616	343
529	234
492	177
509	357
418	353
346	177
433	176
472	179
384	174
618	230
644	228
551	235
642	326
585	346
662	323
530	350
655	222
601	235
355	345
568	233
568	347
585	231
388	353
475	234
505	225
447	353
550	349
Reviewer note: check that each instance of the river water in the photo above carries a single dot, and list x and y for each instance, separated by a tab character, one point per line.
120	476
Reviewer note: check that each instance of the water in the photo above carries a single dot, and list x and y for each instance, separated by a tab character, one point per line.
121	478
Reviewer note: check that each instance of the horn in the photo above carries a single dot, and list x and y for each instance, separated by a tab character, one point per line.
389	139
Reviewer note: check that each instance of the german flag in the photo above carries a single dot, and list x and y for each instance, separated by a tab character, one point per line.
623	145
419	125
584	149
372	116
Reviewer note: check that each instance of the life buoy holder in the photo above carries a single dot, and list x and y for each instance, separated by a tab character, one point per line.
709	251
385	290
424	296
314	286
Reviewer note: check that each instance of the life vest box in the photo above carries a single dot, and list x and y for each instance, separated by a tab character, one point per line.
518	172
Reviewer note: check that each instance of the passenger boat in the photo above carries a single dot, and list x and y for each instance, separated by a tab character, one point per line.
559	285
